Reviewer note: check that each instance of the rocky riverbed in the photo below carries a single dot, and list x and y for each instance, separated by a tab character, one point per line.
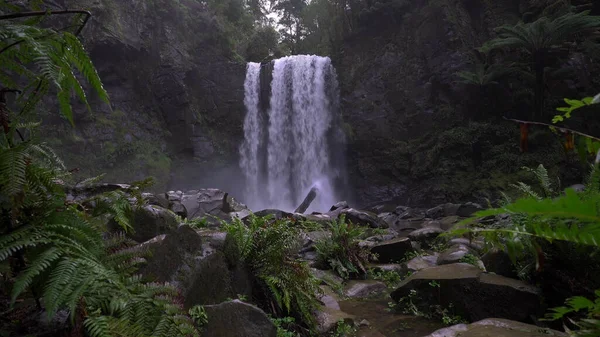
421	282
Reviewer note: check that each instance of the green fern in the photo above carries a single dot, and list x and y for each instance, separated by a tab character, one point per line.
541	175
265	247
341	251
56	55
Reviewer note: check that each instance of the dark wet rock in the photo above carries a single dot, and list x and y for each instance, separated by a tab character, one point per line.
214	280
318	218
441	211
310	238
363	289
173	196
150	221
448	222
382	237
328	319
395	267
496	327
497	261
431	223
172	254
392	250
389	218
213	205
474	294
275	214
363	218
421	262
237	318
80	193
329	299
327	277
339	205
156	199
466	210
476	245
453	254
197	264
179	209
406	226
425	235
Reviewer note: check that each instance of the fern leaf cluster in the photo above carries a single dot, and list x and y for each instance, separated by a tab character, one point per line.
266	248
342	251
46	58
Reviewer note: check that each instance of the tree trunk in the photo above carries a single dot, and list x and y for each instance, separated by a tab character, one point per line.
539	66
307	201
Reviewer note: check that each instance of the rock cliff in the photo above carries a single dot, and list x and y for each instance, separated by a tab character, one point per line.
176	91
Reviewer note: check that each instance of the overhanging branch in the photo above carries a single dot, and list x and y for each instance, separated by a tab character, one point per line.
563	129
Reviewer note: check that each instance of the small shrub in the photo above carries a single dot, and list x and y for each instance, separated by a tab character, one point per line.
389	277
198	314
341	251
470	259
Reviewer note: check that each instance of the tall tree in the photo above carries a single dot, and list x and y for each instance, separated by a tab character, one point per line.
290	12
540	40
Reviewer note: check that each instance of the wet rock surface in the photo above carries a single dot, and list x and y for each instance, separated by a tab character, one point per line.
496	327
237	318
472	292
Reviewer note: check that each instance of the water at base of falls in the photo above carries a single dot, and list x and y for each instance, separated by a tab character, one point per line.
296	144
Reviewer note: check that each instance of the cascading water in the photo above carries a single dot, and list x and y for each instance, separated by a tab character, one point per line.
294	145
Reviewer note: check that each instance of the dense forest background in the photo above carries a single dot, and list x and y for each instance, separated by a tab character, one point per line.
422	102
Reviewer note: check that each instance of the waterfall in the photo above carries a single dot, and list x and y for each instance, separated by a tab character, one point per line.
252	128
295	144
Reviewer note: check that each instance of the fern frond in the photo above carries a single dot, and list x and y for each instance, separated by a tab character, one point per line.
37	266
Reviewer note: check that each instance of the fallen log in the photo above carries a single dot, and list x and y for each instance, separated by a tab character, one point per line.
310	197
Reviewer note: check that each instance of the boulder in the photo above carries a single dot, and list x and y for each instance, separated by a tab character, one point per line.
363	218
329	298
421	262
468	209
150	221
392	250
496	327
339	205
156	199
327	277
196	262
441	211
425	235
172	254
328	319
363	289
179	209
236	318
497	261
453	254
212	204
310	238
476	245
474	294
80	193
446	223
275	214
395	267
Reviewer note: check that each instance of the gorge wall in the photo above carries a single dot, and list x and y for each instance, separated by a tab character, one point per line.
176	91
